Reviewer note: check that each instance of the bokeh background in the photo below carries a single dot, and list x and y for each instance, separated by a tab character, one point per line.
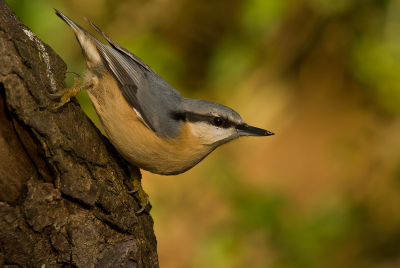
323	75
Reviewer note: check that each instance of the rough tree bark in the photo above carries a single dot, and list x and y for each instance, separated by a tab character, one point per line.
64	198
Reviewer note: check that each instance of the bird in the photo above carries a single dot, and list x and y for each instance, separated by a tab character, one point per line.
149	122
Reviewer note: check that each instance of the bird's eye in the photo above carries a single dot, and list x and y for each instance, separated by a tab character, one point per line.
218	121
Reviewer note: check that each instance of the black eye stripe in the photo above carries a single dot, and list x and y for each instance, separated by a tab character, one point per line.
178	116
211	119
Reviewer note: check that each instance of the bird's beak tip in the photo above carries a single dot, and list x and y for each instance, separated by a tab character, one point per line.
269	133
247	130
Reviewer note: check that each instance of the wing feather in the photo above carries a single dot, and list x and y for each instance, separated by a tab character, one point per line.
121	48
129	75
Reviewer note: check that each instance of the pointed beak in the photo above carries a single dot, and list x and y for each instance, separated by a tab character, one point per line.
246	130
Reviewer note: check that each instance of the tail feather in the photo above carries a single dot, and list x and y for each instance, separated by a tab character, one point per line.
90	44
121	48
72	24
87	42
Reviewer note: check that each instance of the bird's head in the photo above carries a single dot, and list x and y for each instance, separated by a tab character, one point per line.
214	124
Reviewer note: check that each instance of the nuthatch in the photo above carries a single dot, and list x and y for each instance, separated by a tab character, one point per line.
149	122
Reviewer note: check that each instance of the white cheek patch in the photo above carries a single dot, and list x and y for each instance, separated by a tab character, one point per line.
209	134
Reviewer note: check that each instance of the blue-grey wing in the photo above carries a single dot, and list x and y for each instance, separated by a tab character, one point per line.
151	97
130	77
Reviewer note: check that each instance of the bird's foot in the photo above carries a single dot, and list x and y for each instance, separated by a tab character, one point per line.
140	194
65	95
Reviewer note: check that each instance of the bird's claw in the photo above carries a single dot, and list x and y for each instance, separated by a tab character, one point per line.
133	191
77	79
141	195
65	95
144	206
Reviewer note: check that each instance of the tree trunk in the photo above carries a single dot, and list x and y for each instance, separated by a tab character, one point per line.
64	198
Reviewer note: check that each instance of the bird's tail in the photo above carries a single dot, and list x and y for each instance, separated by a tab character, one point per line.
87	41
72	24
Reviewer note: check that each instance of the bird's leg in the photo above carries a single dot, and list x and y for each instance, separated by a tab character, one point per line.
140	194
66	94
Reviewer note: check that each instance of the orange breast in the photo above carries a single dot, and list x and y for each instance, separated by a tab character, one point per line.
135	141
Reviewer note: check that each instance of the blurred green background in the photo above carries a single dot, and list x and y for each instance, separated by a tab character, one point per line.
323	75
